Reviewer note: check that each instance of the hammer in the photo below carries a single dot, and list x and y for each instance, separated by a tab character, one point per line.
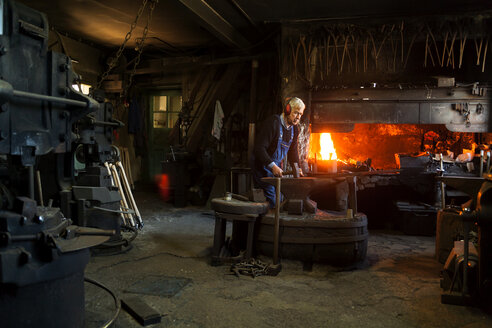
295	170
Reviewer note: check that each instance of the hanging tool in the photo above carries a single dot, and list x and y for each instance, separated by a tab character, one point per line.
123	217
128	191
122	194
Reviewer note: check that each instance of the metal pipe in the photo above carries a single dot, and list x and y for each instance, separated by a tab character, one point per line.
36	96
40	188
126	185
277	222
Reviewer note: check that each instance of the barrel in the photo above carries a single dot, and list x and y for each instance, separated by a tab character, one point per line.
322	238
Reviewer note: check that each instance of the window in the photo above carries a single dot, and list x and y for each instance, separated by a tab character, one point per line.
84	88
165	110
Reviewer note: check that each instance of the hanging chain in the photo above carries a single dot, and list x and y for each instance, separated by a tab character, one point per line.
114	60
140	46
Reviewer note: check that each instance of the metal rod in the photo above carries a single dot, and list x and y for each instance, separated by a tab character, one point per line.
104	123
36	96
30	170
481	162
443	186
251	145
466	252
277	221
95	233
231	184
172	152
40	188
488	162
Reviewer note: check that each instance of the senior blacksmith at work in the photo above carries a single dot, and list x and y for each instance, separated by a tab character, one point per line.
276	138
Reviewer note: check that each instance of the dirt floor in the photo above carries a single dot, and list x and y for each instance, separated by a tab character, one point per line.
169	269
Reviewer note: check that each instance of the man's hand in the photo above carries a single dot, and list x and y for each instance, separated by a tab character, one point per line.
277	171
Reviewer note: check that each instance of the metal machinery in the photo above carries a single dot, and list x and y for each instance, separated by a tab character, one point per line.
467	274
42	122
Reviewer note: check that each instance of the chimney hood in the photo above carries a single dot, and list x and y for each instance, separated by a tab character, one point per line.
460	109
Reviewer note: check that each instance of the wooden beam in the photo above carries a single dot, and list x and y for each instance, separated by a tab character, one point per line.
154	66
216	24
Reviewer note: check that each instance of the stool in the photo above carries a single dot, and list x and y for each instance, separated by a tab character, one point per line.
220	233
236	211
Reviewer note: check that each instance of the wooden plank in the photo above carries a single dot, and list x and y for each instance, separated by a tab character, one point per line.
143	313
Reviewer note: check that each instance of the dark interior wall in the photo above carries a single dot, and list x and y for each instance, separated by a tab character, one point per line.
87	59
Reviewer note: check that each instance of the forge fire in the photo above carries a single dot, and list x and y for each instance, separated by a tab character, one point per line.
375	145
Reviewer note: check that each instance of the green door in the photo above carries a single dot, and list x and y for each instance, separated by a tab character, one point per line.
165	107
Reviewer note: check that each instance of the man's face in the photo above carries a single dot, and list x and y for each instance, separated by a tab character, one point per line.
295	116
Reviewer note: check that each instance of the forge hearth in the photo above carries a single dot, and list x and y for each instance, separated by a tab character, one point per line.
373	146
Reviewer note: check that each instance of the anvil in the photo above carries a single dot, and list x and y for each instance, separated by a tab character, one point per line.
297	190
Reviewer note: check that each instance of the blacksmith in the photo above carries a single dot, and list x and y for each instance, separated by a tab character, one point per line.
276	139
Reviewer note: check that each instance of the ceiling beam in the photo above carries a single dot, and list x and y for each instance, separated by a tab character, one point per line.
216	24
155	66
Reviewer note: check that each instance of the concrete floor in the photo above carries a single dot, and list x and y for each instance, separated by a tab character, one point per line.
399	286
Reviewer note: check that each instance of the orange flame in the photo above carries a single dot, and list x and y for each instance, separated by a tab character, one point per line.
328	150
321	147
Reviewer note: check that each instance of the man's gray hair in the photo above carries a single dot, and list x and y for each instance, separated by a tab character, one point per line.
297	103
